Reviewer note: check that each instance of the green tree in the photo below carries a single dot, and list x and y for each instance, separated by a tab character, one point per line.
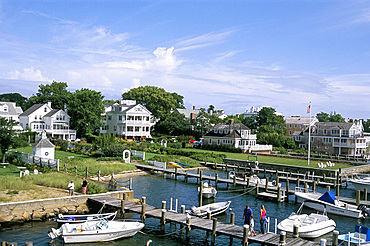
337	118
7	135
201	124
251	123
56	93
85	109
322	117
211	108
366	124
156	100
173	124
14	97
268	121
179	100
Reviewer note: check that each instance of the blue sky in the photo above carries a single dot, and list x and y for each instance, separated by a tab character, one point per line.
232	54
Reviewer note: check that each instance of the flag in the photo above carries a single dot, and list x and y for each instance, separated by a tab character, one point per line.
308	109
313	129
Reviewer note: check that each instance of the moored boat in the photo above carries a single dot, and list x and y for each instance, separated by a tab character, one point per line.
254	179
214	208
331	204
361	236
62	218
360	182
309	225
96	231
208	191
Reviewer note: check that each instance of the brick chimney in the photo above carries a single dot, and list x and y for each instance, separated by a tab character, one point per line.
193	107
192	116
231	121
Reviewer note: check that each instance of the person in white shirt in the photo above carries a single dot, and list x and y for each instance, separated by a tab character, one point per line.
71	188
251	226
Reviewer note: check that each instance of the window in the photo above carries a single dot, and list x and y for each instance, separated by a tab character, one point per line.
290	132
295	125
290	125
137	128
210	141
147	128
325	132
35	117
130	128
120	117
5	108
45	109
335	132
115	128
109	117
218	141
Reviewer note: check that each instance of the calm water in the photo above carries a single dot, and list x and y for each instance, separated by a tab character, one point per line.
157	189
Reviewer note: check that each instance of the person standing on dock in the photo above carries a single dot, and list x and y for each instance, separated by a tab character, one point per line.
84	185
263	219
251	226
247	215
71	188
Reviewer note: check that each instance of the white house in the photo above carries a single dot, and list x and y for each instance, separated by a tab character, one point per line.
55	122
234	134
10	111
127	120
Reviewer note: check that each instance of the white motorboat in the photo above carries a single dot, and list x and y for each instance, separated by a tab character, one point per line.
331	203
361	236
254	179
309	225
208	191
96	231
214	208
62	218
360	182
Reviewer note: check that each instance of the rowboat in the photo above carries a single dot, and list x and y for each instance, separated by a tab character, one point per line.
309	225
213	208
62	218
96	231
208	191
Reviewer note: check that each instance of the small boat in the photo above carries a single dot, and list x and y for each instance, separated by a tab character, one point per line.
208	191
309	225
254	179
331	203
96	231
214	208
62	218
360	182
361	236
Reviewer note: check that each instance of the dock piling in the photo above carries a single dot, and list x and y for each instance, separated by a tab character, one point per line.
163	219
282	238
335	238
245	235
183	209
267	184
214	226
232	218
295	230
163	204
365	194
358	195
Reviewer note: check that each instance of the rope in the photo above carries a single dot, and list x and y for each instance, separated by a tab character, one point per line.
228	198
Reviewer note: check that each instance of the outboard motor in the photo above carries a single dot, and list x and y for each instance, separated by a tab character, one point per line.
365	210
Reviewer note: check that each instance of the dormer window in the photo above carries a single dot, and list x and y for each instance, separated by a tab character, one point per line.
215	131
45	109
221	131
5	108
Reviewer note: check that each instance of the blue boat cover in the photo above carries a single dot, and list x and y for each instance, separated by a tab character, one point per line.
328	196
364	230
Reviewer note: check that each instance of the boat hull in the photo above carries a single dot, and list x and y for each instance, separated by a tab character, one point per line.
99	231
83	218
213	208
347	210
358	184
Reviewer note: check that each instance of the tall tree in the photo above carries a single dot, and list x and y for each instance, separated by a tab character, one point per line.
14	97
211	108
56	93
156	100
179	100
322	117
173	124
337	118
268	121
366	124
85	109
7	135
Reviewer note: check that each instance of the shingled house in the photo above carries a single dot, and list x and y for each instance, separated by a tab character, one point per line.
234	134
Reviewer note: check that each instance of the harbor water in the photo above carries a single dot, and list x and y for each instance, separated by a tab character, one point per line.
157	188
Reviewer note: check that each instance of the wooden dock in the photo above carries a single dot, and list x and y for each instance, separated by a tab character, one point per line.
268	191
210	226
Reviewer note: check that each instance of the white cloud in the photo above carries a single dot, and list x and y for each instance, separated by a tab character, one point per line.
135	83
30	74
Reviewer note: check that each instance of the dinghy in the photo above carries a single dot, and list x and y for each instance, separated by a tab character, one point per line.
214	208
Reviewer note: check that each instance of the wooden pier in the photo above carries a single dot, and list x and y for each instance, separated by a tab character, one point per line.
212	227
267	191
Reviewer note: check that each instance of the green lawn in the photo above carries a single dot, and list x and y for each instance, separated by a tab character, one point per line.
62	155
9	170
271	159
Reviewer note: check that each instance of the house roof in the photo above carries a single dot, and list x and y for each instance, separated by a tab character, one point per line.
187	112
12	109
232	127
299	120
43	143
31	109
332	125
51	113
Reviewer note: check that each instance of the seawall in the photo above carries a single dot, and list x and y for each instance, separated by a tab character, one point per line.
42	209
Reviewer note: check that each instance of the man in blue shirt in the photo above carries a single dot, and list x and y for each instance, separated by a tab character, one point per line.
247	215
